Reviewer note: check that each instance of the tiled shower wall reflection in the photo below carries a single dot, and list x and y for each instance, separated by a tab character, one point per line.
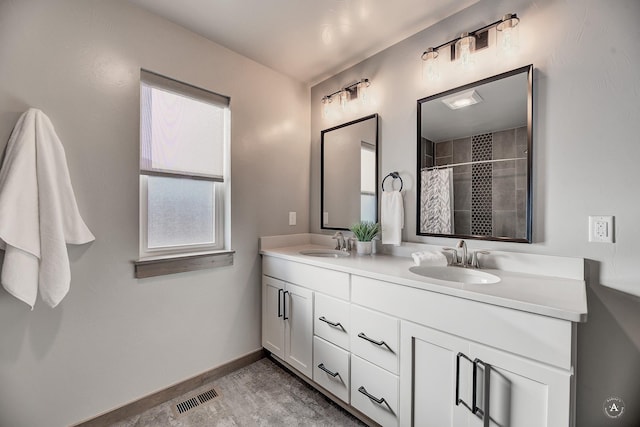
489	199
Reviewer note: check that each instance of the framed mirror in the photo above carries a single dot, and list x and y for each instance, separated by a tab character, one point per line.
474	160
349	173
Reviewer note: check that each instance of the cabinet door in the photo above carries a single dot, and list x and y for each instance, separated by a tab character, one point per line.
428	377
272	315
298	313
522	393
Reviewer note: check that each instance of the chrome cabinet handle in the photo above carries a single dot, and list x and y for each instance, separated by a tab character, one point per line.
458	399
284	305
379	401
279	303
333	374
486	387
334	324
371	340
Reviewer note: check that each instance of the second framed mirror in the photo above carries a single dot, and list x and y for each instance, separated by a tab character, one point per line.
349	173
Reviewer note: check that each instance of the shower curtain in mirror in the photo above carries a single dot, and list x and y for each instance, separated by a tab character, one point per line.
436	201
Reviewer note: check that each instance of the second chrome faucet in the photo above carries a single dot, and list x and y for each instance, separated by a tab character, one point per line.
462	260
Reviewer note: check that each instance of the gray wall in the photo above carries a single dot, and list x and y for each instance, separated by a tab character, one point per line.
585	152
114	338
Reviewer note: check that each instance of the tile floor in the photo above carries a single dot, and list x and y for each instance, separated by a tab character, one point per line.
261	394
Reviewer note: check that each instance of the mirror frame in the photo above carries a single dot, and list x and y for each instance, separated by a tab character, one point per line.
529	200
377	193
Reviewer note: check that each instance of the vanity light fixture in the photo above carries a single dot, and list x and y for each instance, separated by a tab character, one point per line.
462	48
507	34
358	90
345	96
430	65
363	91
325	106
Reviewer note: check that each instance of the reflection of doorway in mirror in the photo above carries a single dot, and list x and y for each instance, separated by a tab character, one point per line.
368	199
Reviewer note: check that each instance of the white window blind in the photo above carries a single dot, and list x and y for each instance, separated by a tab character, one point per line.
184	146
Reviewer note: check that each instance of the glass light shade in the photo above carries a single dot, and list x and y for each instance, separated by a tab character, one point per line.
325	106
345	96
430	65
363	91
508	39
465	46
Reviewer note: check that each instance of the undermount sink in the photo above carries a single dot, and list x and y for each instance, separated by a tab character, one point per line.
325	253
456	274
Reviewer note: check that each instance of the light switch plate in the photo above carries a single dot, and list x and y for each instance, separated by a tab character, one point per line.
292	218
601	229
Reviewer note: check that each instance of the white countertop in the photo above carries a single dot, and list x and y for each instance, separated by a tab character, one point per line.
557	297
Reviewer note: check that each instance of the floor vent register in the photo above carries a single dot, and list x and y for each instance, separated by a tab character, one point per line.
195	401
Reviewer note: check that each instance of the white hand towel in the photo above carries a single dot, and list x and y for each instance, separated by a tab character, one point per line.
38	213
429	258
391	217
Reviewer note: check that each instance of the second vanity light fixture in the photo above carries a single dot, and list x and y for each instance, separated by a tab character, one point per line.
344	95
462	47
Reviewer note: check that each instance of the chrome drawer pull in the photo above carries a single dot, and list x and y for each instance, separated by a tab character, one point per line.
458	399
333	374
371	396
487	388
334	324
371	340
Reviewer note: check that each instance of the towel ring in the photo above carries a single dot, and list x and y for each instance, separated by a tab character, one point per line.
394	175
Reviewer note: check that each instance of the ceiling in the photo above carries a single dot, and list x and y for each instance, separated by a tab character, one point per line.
308	40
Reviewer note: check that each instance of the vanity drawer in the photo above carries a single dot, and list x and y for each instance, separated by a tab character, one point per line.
378	384
375	337
331	320
536	337
330	282
336	361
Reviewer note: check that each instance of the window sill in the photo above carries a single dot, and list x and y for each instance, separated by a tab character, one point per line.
170	264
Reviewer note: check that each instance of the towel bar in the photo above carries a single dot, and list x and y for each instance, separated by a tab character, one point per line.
394	175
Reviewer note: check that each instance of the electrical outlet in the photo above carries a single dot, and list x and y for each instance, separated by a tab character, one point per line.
292	218
601	229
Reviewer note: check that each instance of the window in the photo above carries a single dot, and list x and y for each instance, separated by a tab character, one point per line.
184	179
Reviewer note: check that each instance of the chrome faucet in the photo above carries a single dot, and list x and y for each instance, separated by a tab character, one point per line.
464	261
340	243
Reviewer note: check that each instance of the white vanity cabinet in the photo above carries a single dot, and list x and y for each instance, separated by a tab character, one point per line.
528	359
287	323
288	308
399	355
438	384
